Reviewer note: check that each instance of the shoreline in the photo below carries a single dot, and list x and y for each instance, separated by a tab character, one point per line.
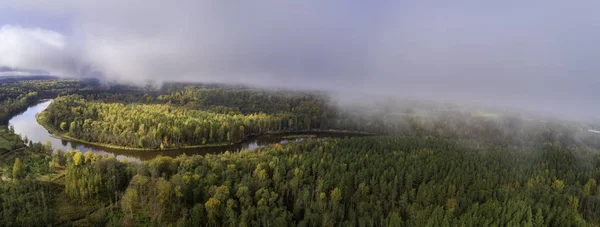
58	135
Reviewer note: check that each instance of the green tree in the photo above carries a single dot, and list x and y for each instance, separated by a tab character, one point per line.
213	207
589	187
18	170
574	203
558	185
63	126
48	146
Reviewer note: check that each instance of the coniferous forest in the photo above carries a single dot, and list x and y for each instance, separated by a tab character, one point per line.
417	166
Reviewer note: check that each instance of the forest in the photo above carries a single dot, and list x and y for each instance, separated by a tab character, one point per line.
367	181
449	167
163	125
223	116
17	95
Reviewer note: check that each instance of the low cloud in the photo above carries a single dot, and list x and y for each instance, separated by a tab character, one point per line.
35	51
26	48
515	54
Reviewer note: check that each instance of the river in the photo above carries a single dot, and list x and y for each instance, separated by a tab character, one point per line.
25	124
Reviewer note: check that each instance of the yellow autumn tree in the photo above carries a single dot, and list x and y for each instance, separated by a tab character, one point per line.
18	171
77	158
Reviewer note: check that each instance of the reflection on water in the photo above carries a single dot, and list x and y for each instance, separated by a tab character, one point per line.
26	125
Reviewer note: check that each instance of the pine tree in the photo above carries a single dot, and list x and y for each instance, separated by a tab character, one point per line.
539	218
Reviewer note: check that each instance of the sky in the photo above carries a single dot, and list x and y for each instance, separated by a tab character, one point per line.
535	55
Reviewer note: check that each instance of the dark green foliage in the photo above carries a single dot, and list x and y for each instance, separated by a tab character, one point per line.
372	181
368	181
26	203
245	100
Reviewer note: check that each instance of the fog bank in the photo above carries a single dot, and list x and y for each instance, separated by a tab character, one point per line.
533	55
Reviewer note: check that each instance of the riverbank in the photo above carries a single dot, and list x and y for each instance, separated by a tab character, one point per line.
291	134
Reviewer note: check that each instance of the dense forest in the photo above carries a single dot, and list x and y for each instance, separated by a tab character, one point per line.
367	181
442	167
221	116
193	116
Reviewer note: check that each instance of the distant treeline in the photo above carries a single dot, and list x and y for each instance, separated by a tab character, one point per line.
19	93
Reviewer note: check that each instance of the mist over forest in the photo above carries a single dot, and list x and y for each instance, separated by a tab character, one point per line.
531	56
308	113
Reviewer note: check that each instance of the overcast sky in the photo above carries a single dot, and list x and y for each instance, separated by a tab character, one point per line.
537	55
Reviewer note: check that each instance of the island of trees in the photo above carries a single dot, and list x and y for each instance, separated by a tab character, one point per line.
165	126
